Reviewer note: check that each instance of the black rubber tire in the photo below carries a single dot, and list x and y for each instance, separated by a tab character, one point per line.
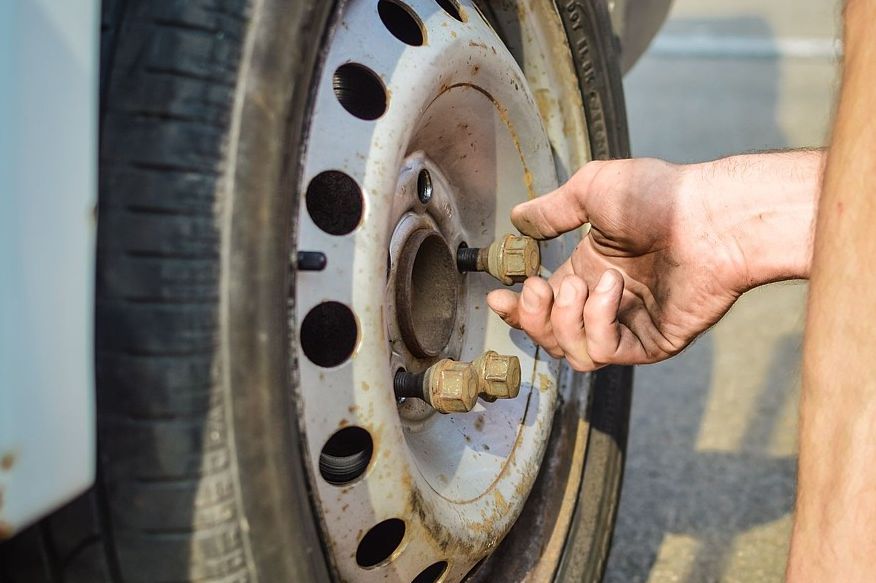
200	470
597	55
202	111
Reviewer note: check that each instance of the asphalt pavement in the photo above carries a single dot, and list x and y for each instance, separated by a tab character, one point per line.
710	475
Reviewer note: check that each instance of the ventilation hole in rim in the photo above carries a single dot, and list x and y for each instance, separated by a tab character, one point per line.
328	334
401	21
360	91
345	456
334	202
451	8
380	542
431	573
424	186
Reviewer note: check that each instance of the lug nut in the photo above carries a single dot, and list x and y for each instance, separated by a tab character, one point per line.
453	387
449	386
498	376
511	259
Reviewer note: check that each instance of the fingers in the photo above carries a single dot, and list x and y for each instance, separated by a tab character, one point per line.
530	311
586	326
505	303
559	211
601	315
608	341
567	322
534	312
579	324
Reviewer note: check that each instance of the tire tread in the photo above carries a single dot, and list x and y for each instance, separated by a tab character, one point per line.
166	505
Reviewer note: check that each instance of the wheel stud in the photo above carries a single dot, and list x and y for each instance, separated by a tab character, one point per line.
408	384
511	259
310	261
450	386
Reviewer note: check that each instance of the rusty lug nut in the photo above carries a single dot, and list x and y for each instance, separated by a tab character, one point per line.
453	387
498	376
511	259
449	386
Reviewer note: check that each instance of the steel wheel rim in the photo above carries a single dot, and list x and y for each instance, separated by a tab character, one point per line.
360	384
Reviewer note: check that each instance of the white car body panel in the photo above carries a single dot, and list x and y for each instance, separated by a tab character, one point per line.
49	69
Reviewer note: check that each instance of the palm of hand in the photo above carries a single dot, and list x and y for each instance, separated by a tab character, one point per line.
669	295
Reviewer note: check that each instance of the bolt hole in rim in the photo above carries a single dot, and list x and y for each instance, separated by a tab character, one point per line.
380	542
345	456
402	22
452	8
329	334
461	127
334	202
424	186
432	573
360	91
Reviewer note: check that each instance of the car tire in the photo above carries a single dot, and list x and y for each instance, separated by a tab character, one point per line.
203	106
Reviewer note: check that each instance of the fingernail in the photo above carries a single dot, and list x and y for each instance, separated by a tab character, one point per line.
606	282
566	295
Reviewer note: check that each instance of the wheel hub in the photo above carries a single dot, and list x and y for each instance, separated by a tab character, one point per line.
427	292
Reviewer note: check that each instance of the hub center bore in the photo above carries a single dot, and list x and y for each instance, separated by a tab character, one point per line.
427	293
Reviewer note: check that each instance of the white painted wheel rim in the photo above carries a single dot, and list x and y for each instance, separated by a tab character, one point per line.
457	482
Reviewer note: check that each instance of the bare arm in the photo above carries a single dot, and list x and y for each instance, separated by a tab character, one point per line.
834	535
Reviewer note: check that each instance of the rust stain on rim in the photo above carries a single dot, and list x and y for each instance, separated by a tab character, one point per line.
7	461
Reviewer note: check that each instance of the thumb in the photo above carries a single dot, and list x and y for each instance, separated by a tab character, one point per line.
559	211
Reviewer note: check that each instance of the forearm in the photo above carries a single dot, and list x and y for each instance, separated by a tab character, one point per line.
762	207
836	504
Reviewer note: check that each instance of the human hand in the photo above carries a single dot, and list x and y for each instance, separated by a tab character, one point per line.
667	254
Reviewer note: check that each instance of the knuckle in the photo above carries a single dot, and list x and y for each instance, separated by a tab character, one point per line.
600	353
555	352
587	172
543	222
580	365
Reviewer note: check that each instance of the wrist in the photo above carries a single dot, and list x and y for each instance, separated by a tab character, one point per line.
760	211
